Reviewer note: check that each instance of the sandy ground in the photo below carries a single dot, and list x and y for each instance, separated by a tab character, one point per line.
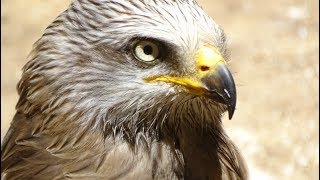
275	51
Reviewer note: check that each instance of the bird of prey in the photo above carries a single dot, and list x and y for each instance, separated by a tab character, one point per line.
125	89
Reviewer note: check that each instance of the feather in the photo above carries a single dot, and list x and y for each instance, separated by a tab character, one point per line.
85	111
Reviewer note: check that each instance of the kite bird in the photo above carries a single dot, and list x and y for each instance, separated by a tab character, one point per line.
119	89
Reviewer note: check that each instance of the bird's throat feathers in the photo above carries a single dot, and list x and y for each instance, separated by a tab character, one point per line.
165	114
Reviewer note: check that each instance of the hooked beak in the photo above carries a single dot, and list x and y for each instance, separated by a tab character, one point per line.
213	79
220	87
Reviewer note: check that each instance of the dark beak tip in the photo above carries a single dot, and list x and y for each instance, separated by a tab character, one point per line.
231	106
230	112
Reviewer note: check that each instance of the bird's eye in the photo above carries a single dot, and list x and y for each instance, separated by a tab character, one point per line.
147	51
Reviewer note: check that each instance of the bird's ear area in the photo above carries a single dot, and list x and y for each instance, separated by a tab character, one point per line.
147	51
105	53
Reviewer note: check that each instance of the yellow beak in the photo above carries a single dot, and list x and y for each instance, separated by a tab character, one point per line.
213	79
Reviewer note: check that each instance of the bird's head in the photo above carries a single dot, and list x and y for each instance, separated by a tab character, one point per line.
120	60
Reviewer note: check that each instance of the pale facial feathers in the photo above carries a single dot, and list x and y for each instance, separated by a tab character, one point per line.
85	97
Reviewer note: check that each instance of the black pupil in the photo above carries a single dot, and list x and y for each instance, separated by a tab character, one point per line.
147	50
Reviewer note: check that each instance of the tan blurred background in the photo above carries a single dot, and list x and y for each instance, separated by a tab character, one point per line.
275	51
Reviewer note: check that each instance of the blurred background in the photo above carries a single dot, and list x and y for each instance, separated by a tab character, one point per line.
274	58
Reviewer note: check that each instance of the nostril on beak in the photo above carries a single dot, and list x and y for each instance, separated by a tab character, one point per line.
204	68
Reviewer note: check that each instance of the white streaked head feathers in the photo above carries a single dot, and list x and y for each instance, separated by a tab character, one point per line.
83	63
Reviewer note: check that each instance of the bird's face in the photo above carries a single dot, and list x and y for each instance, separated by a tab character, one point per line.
210	77
134	55
176	43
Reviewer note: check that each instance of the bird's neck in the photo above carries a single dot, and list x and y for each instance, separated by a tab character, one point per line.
199	148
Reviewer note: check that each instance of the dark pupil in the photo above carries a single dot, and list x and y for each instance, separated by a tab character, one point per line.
147	50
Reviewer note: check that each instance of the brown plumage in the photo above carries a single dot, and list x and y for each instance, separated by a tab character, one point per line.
120	89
